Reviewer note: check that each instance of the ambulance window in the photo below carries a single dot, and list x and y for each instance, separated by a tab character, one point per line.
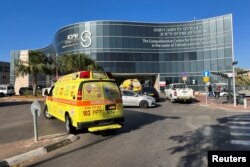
111	90
92	91
99	75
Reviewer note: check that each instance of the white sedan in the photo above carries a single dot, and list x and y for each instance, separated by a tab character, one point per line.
131	98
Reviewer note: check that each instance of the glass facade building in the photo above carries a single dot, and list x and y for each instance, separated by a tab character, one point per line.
4	72
167	49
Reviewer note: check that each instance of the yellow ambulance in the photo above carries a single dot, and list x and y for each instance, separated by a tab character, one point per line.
86	99
131	84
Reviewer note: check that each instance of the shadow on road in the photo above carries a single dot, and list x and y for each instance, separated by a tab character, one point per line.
162	99
195	144
134	120
13	103
195	101
145	109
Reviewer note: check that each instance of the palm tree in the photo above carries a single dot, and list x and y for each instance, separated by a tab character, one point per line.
76	62
37	64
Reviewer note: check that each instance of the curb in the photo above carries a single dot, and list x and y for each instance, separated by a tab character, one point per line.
38	152
227	109
21	100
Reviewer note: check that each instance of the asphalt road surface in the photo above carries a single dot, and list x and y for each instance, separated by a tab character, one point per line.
168	135
17	122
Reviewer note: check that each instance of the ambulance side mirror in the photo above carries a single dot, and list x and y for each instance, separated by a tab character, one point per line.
46	93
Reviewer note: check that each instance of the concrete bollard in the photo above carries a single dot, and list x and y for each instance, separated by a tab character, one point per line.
245	103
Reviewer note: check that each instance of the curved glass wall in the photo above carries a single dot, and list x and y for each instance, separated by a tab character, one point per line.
169	49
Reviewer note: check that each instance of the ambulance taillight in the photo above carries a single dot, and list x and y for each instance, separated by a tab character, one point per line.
79	95
85	74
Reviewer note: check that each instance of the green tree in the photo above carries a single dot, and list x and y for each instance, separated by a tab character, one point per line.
242	78
76	62
37	64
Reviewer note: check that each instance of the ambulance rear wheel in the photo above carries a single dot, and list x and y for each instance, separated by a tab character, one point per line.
46	113
69	127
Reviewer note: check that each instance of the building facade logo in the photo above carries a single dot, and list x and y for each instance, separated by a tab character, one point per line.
86	39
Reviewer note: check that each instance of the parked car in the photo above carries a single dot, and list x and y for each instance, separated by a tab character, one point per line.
2	94
179	92
23	90
131	98
150	91
7	90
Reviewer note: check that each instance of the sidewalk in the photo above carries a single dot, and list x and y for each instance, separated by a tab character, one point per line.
14	153
21	98
19	147
212	102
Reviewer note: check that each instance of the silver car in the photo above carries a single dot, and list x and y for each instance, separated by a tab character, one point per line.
131	98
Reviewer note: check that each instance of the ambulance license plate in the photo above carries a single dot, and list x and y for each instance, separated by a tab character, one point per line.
111	107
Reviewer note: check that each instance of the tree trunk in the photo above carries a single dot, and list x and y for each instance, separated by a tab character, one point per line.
34	84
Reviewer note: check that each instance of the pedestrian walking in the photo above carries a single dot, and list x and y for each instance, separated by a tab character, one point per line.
217	92
210	91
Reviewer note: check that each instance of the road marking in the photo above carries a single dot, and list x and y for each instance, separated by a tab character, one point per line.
242	142
240	127
239	134
239	122
239	119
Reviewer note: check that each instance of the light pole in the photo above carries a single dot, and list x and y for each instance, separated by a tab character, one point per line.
234	63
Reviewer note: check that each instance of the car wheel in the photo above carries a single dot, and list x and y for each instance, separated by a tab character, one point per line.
144	104
46	113
170	97
172	100
69	127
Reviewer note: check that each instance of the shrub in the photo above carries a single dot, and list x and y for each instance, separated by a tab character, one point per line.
2	94
27	93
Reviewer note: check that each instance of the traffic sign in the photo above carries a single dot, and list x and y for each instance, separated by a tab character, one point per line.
205	79
35	107
206	73
230	75
183	74
36	111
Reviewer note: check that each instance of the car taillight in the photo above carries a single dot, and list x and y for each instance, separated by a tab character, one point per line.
85	74
110	75
175	93
79	95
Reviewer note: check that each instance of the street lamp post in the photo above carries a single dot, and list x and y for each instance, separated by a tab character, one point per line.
234	63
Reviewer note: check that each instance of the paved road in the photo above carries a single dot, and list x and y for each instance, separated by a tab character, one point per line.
168	135
17	122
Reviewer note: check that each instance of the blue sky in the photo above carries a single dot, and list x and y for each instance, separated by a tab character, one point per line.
31	24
